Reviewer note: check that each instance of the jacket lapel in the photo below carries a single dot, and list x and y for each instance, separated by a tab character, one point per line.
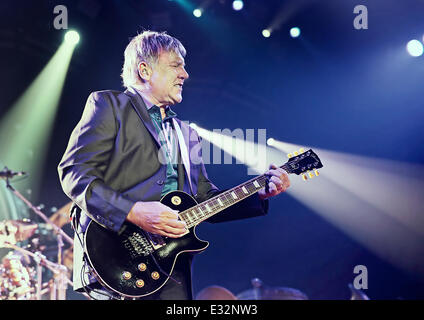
141	109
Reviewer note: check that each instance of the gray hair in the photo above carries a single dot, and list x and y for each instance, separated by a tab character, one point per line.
146	47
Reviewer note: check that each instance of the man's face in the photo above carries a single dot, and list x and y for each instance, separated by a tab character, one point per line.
167	79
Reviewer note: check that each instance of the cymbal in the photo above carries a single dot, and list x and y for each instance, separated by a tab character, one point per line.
215	293
61	216
263	292
13	231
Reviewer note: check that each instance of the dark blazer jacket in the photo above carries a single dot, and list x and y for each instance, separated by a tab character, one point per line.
112	161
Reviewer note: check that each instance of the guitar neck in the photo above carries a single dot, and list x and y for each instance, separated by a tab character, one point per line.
210	207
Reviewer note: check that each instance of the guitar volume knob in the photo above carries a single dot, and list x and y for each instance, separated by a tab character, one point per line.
126	275
139	283
142	267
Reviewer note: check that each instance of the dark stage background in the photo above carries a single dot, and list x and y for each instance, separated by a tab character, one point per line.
335	87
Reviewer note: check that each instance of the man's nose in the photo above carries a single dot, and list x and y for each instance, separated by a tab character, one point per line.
185	74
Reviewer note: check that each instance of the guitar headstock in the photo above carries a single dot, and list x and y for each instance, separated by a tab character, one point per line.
305	163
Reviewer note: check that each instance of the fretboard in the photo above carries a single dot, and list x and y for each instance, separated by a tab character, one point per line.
212	206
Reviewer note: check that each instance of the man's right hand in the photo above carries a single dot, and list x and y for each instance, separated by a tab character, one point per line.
155	217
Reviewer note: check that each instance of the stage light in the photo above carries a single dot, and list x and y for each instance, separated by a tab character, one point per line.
72	37
238	5
197	13
270	141
295	32
415	48
266	33
384	214
26	129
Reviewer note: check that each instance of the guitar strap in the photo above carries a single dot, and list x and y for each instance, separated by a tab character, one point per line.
184	152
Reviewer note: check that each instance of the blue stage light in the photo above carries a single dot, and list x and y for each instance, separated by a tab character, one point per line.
295	32
266	33
197	13
238	5
415	48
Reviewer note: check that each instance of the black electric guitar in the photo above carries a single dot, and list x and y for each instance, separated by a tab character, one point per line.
136	263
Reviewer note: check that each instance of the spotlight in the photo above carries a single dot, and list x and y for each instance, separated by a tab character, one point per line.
295	32
238	5
72	37
266	33
197	12
270	141
415	48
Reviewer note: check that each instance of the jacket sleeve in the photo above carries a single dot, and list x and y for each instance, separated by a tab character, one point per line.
85	160
250	207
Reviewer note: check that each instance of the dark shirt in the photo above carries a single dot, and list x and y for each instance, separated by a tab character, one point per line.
169	152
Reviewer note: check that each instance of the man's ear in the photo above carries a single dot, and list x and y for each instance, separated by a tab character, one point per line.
144	71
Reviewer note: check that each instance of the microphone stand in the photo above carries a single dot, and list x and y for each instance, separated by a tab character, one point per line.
60	270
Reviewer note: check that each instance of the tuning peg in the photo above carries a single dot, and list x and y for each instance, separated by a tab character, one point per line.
296	153
310	174
290	155
316	172
301	150
304	177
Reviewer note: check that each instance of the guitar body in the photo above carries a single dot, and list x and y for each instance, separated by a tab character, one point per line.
136	263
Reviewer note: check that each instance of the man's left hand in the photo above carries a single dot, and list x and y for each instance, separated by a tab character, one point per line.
278	182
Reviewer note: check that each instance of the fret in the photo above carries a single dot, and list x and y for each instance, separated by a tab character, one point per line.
240	193
195	214
212	206
215	204
186	217
250	187
208	208
228	198
202	210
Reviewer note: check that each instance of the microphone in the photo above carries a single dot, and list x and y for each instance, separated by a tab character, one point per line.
7	174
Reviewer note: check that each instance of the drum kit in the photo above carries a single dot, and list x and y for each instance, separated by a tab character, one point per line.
261	291
36	267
